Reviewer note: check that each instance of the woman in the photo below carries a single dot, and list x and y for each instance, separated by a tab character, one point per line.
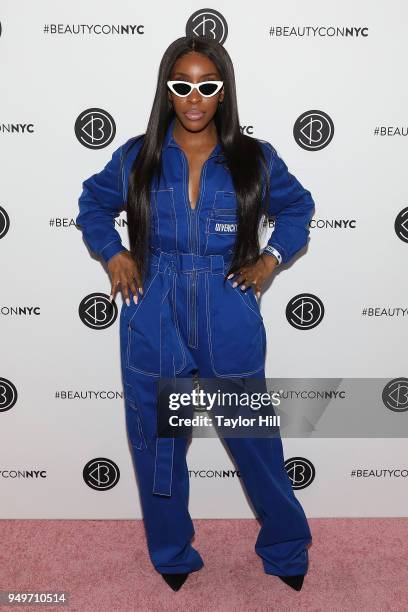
195	190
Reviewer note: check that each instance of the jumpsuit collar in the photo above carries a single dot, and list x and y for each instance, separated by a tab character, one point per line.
169	140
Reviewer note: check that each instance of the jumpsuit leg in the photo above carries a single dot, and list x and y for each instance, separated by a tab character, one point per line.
168	525
284	534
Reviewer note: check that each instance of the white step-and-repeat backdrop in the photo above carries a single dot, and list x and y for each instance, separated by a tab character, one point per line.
324	83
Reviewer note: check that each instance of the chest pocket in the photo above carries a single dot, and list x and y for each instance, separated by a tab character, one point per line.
225	203
221	226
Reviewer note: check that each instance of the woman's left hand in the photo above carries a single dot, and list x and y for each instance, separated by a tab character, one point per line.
255	275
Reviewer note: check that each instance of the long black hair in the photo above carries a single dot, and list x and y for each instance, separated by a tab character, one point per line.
243	155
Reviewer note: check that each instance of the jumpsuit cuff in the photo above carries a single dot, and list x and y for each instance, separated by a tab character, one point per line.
111	249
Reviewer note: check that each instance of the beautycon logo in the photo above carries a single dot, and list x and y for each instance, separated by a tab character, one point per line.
208	23
313	130
395	395
101	474
95	128
301	472
4	222
305	311
97	312
401	225
8	394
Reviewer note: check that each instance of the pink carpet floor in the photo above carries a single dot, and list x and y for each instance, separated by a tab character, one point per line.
355	565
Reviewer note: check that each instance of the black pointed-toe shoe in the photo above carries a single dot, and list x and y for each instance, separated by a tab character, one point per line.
295	582
175	581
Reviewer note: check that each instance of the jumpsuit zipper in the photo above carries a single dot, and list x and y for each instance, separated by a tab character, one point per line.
192	335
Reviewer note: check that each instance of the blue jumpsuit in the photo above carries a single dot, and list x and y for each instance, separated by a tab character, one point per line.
188	321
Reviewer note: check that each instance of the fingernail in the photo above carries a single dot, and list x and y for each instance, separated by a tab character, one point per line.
230	276
243	287
110	297
135	299
127	301
141	290
258	295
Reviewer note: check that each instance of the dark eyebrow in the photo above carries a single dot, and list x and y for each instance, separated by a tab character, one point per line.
183	74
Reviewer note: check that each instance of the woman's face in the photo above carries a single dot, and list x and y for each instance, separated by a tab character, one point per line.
195	68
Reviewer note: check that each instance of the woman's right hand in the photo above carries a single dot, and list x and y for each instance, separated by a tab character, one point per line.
124	272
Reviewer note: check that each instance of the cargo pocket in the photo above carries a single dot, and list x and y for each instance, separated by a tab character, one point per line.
143	330
134	423
143	349
236	332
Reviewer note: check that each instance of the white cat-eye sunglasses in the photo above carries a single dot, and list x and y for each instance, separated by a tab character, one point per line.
184	88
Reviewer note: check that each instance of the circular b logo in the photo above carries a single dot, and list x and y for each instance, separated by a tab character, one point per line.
8	394
395	394
207	23
95	128
305	311
301	472
4	222
97	312
101	474
401	225
313	130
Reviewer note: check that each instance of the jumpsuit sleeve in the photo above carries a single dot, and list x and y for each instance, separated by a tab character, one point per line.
101	200
292	206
